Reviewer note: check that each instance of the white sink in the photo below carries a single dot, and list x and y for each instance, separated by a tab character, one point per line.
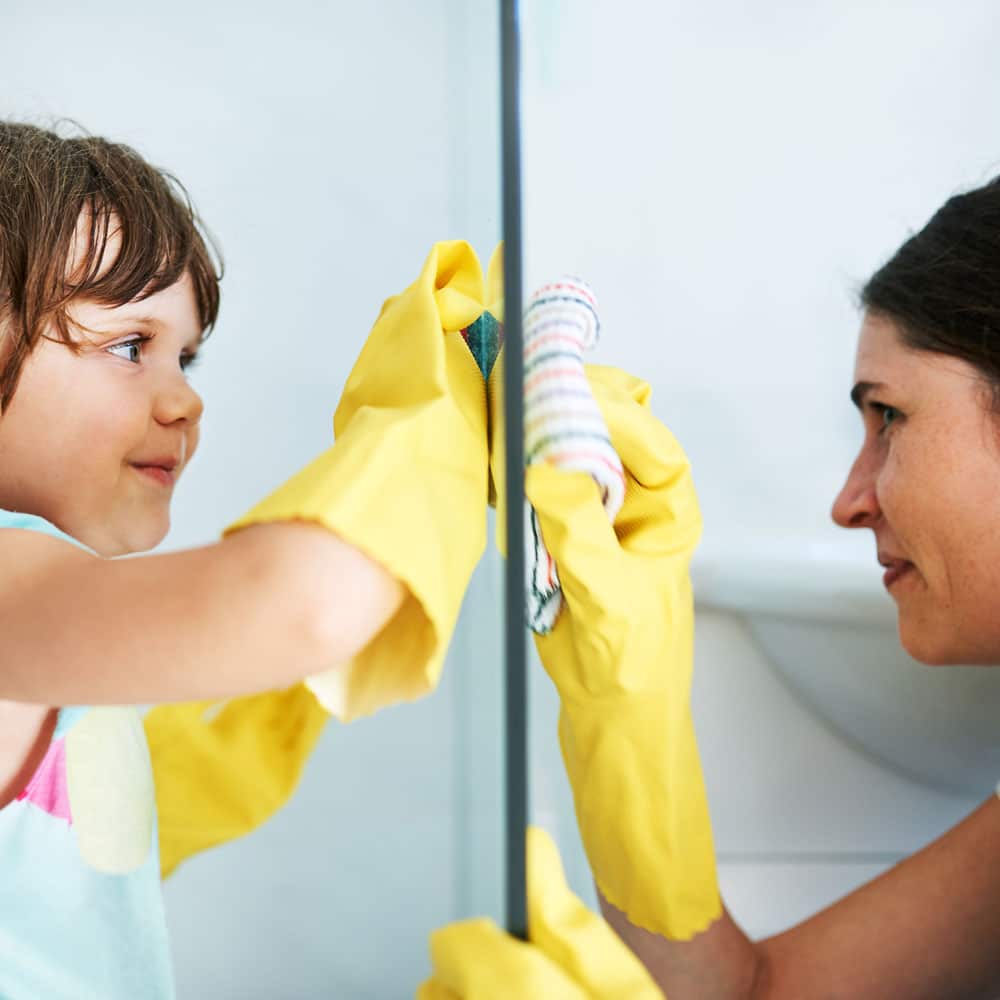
821	617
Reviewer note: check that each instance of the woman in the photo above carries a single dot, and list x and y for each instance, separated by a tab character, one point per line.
927	484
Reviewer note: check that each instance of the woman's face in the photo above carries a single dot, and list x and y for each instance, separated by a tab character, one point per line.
927	484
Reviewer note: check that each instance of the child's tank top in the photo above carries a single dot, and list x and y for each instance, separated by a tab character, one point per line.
81	908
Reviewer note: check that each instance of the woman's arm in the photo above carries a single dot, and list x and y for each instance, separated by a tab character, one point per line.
266	606
927	929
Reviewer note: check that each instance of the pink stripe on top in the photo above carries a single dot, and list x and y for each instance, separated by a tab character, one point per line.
47	788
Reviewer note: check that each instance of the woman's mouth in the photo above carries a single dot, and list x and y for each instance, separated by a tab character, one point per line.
895	571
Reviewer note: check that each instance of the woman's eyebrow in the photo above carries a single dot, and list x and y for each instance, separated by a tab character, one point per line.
861	391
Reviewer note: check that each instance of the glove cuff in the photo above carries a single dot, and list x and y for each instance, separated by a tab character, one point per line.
642	811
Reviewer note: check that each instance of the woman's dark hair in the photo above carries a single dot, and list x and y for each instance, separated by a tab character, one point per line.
50	186
942	286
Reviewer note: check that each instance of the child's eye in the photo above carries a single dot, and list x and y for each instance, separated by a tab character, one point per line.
131	350
188	360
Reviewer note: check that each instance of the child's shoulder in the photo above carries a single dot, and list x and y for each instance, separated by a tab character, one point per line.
32	522
31	544
24	537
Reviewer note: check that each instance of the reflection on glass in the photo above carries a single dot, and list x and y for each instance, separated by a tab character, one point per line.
725	182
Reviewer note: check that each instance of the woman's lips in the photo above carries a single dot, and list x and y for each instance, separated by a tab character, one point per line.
896	572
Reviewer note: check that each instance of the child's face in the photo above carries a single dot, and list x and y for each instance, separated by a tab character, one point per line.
95	442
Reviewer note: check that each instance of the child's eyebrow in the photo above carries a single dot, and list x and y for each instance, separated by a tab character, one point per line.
140	320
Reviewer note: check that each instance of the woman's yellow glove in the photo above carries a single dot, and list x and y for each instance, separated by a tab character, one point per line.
620	656
221	769
406	480
573	954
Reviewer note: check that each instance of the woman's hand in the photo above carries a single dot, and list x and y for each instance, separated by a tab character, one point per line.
621	657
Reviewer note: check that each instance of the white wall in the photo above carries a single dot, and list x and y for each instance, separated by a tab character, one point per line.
726	175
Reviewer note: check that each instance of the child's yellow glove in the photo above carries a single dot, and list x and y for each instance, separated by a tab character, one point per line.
621	657
221	769
406	483
406	480
498	451
573	954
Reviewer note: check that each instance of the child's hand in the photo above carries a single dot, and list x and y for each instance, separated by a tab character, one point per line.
406	480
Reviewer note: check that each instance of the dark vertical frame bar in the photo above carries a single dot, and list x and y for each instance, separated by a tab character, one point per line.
516	704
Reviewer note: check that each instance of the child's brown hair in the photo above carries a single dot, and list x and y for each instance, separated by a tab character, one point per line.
49	186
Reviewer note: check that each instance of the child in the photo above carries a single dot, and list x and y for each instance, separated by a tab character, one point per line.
351	574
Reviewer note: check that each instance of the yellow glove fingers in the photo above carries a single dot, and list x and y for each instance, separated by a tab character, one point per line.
408	333
494	284
603	587
274	733
458	284
431	990
617	380
575	527
219	777
579	941
573	954
475	960
660	515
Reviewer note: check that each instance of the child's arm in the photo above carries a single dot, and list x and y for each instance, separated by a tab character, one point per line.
400	496
260	609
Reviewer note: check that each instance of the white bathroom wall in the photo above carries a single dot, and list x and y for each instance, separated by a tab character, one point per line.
327	146
726	175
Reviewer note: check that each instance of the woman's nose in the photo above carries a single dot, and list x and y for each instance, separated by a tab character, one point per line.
177	400
857	506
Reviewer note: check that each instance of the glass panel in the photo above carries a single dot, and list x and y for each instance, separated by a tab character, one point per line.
726	177
327	146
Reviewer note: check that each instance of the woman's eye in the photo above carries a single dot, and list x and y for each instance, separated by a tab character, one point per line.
130	350
889	414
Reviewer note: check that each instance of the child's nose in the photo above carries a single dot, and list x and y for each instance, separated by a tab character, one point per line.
177	400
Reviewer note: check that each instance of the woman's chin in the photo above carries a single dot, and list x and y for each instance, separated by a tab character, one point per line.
922	645
937	650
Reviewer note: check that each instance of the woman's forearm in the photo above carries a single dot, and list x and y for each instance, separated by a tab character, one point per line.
721	963
917	932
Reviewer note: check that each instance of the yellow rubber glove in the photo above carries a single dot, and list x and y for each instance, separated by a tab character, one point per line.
572	955
221	769
406	480
620	656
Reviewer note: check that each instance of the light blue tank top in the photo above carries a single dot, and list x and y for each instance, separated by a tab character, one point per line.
81	908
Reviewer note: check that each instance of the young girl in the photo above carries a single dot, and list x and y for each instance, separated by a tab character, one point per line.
351	574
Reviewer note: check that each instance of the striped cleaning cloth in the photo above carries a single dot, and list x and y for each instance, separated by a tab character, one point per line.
562	422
